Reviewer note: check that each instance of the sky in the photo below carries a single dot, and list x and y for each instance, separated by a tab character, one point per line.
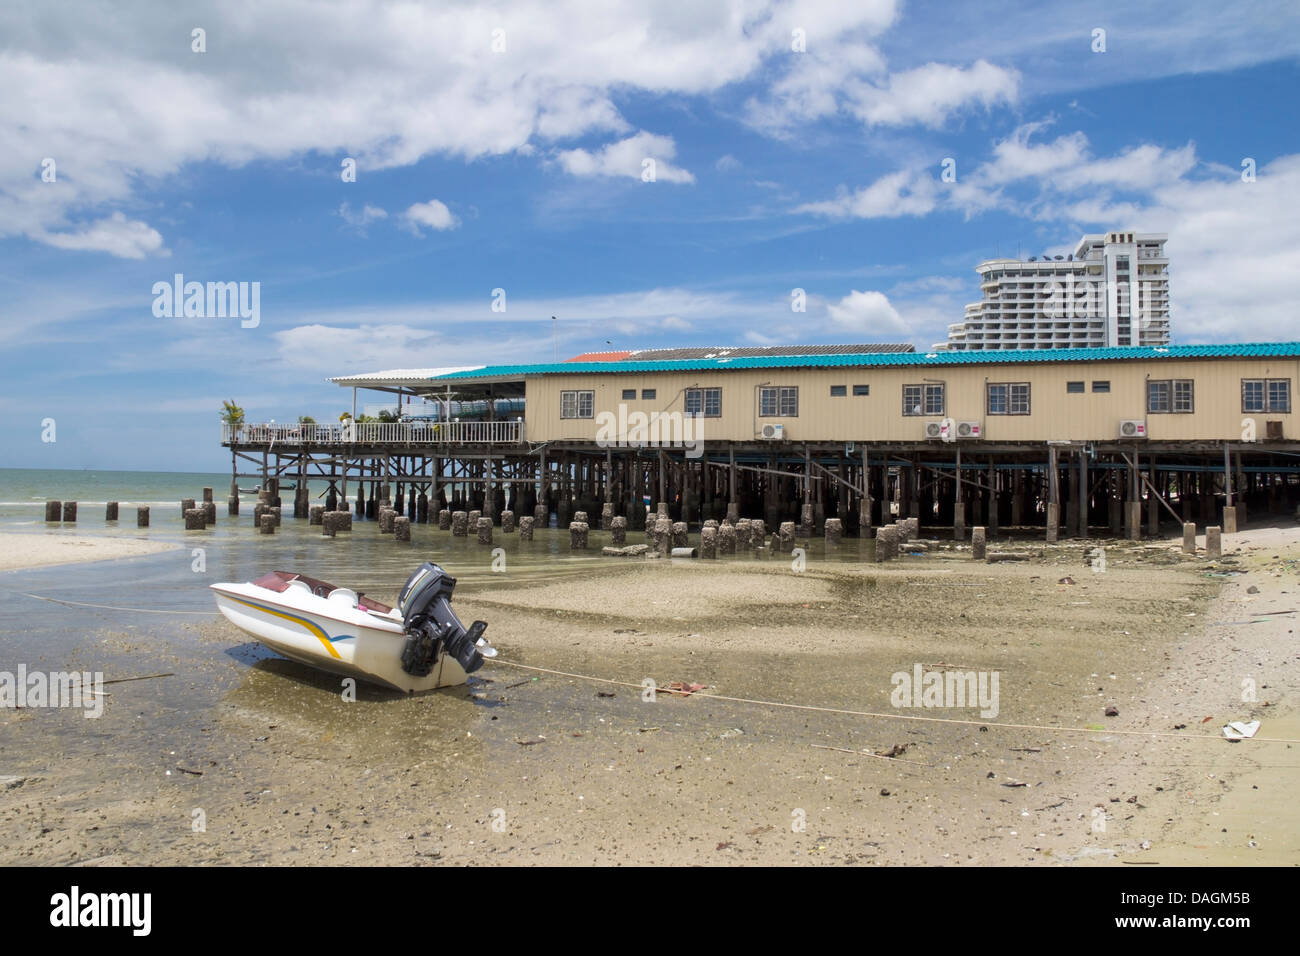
426	185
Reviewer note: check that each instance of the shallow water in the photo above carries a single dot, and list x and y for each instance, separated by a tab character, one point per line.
109	624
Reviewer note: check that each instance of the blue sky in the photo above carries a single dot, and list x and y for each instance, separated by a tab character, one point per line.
522	169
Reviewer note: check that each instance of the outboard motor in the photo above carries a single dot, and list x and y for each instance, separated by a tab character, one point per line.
433	627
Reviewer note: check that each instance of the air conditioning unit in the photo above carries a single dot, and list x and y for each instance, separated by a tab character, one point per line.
773	432
969	430
1133	428
937	430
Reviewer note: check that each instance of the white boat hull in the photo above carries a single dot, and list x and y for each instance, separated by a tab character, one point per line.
331	633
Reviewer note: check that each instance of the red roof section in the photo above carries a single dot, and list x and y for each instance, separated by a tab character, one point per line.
600	357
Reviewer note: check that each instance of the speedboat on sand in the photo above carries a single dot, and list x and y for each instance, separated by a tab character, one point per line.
418	645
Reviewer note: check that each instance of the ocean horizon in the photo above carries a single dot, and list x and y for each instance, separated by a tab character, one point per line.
24	491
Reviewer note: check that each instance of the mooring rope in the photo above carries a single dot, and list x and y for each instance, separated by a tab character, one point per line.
1046	728
868	713
111	607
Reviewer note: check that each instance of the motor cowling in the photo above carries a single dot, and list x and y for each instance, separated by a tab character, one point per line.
432	627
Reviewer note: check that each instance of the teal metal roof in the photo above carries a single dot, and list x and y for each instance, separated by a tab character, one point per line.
886	359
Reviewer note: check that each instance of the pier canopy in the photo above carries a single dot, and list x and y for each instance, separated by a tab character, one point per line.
404	381
442	387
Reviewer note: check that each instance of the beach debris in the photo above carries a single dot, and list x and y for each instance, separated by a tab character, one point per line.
1112	710
123	680
10	782
193	773
724	846
884	791
628	551
895	751
1240	729
993	557
1066	580
1206	720
682	688
757	830
1015	783
530	743
1252	590
604	693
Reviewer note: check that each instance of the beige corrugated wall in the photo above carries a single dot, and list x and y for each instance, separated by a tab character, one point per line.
1054	413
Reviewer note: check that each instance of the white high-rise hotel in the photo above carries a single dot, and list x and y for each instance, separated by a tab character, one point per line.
1113	290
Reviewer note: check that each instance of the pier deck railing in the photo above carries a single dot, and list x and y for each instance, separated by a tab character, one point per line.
414	433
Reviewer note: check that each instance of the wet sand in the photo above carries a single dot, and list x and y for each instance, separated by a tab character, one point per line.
41	549
526	767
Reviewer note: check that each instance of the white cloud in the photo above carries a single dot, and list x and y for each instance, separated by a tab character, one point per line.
433	214
1050	181
115	234
627	158
117	98
867	312
359	220
903	193
930	94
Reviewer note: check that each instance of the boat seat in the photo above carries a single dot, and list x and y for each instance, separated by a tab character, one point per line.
346	595
298	587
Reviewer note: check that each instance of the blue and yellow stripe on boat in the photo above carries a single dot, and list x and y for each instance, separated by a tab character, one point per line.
311	626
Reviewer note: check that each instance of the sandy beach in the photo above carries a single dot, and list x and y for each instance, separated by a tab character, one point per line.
41	549
528	766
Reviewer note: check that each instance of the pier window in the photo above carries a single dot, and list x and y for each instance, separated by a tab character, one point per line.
1074	388
778	402
839	391
923	399
1008	398
704	401
629	394
861	389
1101	386
1266	395
648	393
1173	396
576	404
